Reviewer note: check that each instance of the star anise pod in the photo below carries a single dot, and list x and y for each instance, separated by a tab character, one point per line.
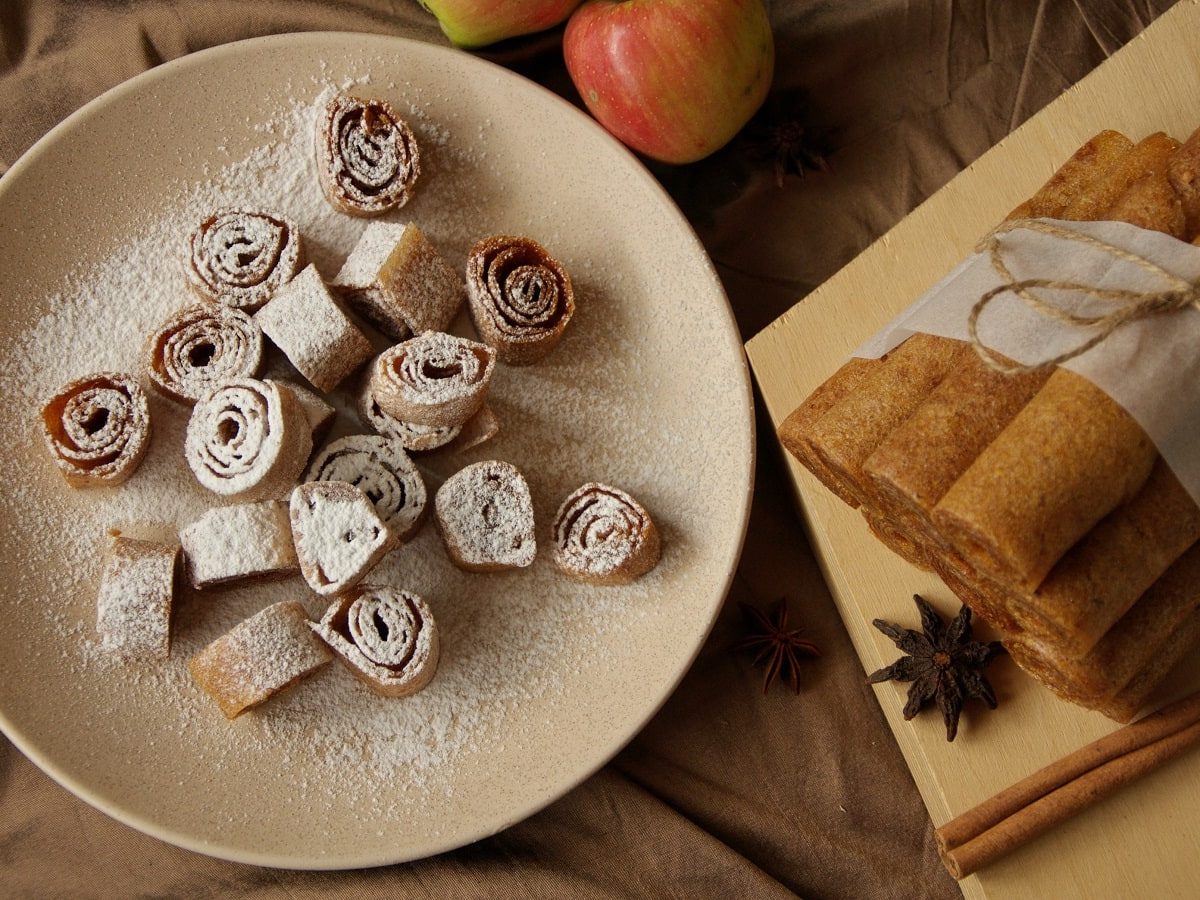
780	134
774	644
943	664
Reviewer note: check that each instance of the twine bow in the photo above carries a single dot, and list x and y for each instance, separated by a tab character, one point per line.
1133	305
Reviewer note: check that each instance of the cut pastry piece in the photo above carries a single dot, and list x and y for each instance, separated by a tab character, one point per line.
234	543
260	657
395	278
415	438
480	428
137	592
320	414
603	535
248	439
97	429
367	156
386	637
241	257
381	469
312	331
432	379
199	348
338	534
485	516
521	297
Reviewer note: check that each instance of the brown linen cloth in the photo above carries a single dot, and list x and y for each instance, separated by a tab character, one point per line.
727	793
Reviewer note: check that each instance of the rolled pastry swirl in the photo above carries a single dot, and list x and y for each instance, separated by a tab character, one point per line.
520	297
240	257
386	637
248	439
381	469
415	438
97	428
603	535
432	379
201	347
367	156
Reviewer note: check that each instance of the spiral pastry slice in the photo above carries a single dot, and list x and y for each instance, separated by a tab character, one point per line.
484	513
433	379
367	156
603	535
248	439
241	257
386	637
97	429
520	297
415	438
201	347
381	469
339	535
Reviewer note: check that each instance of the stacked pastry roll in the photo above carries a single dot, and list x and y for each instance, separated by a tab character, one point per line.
1037	498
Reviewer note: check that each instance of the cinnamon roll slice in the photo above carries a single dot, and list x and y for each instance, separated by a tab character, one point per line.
241	257
263	655
415	438
381	469
367	156
485	515
520	297
201	347
338	534
386	637
433	379
603	536
97	428
248	439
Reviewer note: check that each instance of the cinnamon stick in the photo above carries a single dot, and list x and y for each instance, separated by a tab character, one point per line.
1065	788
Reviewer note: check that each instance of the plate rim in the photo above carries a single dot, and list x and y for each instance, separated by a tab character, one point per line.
620	738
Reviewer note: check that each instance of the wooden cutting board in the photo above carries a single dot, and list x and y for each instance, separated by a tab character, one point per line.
1144	841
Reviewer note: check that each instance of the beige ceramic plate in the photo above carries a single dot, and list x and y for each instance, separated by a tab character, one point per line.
542	679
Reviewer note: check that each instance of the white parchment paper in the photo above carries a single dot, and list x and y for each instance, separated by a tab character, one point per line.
1151	367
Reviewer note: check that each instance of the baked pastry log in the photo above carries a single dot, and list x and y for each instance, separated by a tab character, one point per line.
338	534
433	379
137	593
604	536
367	156
395	278
199	348
381	469
386	637
241	257
98	429
248	439
260	657
521	297
234	543
415	438
485	515
312	331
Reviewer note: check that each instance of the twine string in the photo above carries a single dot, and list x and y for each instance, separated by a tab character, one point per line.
1132	305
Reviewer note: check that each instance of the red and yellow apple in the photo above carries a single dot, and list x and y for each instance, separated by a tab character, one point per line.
673	79
476	23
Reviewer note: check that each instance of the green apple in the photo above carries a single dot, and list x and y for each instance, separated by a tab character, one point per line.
476	23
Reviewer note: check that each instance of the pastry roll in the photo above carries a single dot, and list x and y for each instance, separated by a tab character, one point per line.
137	592
521	297
398	281
260	657
234	543
320	414
98	429
312	331
433	379
386	637
338	534
367	156
485	515
479	429
414	438
603	535
241	257
248	439
1183	169
201	347
381	469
